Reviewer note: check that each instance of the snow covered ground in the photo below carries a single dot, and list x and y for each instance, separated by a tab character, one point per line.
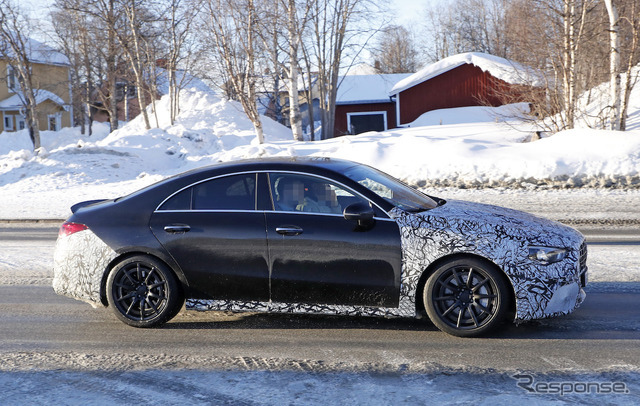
458	148
306	388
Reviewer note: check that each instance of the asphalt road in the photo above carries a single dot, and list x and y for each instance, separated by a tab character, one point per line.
39	329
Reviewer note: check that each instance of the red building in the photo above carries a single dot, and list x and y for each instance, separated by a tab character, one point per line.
470	79
363	103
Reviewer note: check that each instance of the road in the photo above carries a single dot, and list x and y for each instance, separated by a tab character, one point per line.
33	318
52	346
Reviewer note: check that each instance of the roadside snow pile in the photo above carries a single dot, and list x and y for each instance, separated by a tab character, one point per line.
71	167
474	147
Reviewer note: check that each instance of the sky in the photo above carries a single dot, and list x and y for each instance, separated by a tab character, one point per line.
406	10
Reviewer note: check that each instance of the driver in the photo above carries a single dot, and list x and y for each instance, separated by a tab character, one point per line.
322	199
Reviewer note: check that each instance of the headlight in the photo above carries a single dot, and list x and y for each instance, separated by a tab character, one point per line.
547	255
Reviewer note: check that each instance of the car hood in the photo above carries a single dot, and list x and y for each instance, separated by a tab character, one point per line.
471	218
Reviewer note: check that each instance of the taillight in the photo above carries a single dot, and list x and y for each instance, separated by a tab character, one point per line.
68	228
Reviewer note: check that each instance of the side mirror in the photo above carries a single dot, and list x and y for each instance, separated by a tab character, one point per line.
360	212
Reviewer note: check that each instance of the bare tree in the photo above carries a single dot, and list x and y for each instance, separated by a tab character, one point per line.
178	20
466	26
15	48
232	27
132	41
103	18
337	25
396	51
72	36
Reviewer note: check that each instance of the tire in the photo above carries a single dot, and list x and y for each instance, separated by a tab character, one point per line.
142	292
466	297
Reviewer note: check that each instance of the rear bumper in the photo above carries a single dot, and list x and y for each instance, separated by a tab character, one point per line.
79	264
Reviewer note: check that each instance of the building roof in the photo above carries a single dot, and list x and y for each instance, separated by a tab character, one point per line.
356	89
42	53
16	101
187	80
500	68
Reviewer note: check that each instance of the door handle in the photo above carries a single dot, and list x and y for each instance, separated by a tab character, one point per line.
289	230
177	228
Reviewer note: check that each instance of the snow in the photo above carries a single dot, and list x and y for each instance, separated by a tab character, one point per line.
464	147
367	88
178	387
16	102
508	71
42	53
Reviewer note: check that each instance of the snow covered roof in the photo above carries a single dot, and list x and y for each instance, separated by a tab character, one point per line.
188	80
42	53
367	88
16	101
503	69
266	83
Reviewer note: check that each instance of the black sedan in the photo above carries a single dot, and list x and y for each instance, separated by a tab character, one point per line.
315	235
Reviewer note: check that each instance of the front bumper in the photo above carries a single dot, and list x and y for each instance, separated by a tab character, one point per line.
552	290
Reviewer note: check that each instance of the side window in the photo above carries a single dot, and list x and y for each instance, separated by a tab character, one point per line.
237	192
180	201
301	193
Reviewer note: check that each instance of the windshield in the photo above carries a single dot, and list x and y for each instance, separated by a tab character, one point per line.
390	189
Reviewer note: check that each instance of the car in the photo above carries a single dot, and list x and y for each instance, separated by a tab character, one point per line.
316	235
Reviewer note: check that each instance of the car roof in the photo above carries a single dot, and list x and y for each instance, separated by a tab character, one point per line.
293	161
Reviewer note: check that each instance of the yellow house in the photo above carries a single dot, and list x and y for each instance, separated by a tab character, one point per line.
51	86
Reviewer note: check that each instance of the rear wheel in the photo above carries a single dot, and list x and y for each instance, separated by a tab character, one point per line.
466	297
143	292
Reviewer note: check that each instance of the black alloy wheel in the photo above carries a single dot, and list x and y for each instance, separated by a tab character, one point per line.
466	297
143	292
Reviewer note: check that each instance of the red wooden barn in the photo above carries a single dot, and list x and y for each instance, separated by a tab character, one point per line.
469	79
363	103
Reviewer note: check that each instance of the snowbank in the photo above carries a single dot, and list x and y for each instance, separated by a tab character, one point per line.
465	147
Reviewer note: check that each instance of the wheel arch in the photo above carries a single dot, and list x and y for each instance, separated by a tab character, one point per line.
420	308
183	284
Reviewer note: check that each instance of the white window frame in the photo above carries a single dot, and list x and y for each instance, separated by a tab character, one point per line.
12	79
58	118
20	119
367	113
4	122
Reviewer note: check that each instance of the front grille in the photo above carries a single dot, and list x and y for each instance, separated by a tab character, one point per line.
583	264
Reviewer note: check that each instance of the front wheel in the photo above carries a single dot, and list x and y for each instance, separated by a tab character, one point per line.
466	297
143	292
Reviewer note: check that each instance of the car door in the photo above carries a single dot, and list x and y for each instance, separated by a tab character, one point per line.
217	237
317	256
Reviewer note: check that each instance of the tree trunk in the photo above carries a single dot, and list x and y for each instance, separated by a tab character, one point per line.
630	80
251	104
614	65
294	102
111	67
32	118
